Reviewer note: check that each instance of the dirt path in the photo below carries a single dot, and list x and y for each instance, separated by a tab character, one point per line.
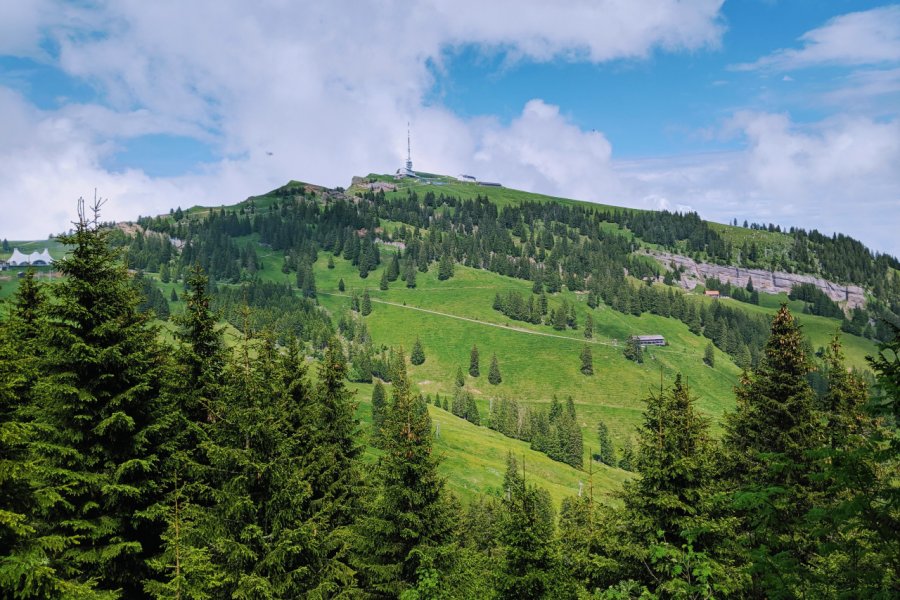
485	323
509	327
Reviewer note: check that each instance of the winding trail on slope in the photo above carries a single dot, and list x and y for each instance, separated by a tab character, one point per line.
498	325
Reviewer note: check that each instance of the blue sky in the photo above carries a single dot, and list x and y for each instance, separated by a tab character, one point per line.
759	110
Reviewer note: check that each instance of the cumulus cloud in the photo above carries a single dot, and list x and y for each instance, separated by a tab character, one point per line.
326	88
859	38
838	175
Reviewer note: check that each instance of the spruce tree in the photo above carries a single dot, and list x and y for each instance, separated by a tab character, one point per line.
393	269
460	378
626	461
99	402
410	274
587	360
668	510
383	284
366	305
474	367
769	465
633	350
709	355
445	267
531	567
341	286
494	377
185	565
409	514
588	327
25	549
417	356
378	409
606	453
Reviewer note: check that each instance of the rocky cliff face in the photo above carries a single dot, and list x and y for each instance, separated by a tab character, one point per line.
771	282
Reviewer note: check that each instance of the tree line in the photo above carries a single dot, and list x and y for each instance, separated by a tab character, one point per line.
133	468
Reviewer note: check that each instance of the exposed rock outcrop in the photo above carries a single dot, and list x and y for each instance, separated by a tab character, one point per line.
771	282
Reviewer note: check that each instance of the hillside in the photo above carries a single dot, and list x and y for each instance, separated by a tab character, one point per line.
497	241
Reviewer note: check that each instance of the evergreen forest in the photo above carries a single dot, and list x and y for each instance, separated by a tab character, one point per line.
222	403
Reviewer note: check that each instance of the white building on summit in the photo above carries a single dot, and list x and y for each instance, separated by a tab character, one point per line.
35	259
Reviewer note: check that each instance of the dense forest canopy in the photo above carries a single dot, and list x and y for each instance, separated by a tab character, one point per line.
137	465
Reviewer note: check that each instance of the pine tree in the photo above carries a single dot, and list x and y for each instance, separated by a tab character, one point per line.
25	571
417	356
633	350
185	566
393	269
383	284
410	274
330	262
589	327
626	462
769	464
379	407
587	360
494	377
341	286
409	514
366	306
445	267
668	509
709	355
460	378
607	453
474	368
100	402
472	415
531	565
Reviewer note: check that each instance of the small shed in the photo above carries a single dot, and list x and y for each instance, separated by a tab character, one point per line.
712	293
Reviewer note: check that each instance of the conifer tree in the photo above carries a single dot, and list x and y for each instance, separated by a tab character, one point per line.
494	377
633	350
769	443
678	540
99	400
379	407
587	360
410	274
626	462
185	565
25	550
409	515
588	327
474	367
366	305
531	567
606	453
417	356
445	267
709	355
460	378
384	283
393	269
341	286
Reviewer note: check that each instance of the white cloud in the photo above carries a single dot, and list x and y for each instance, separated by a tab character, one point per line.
328	88
861	38
838	175
325	87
